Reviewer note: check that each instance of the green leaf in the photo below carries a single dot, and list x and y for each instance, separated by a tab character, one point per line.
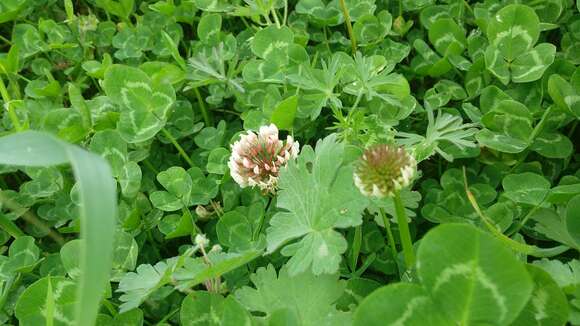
309	296
573	219
97	213
447	37
548	306
209	27
142	283
530	66
553	226
144	106
217	161
553	145
271	43
211	137
284	113
399	304
514	30
204	308
526	188
48	301
23	256
178	184
317	194
130	179
471	276
564	94
196	271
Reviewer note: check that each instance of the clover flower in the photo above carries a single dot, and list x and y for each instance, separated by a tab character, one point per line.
383	170
257	158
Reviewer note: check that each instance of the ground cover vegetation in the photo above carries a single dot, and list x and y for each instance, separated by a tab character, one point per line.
289	162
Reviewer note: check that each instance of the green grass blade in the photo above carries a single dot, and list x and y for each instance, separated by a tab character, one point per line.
97	212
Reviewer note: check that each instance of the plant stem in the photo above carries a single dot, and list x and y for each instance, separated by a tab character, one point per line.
31	218
276	19
535	132
511	243
285	19
348	26
12	282
403	224
187	213
390	237
10	227
205	115
8	104
177	146
169	315
7	41
356	244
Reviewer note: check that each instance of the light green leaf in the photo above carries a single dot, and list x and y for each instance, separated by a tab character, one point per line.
217	161
553	145
447	37
564	94
130	179
471	276
144	106
317	194
48	301
23	256
310	297
530	66
399	304
205	308
514	30
548	306
285	112
271	43
526	188
209	27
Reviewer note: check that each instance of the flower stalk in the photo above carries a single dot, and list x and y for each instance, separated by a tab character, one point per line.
405	234
383	171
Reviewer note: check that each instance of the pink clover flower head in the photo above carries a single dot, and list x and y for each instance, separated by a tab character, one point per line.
256	159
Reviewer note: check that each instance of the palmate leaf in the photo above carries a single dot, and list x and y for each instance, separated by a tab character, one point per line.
310	299
317	195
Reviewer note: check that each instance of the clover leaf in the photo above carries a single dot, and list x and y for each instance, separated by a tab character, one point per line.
145	106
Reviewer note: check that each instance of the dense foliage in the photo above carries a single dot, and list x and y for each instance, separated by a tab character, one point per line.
289	162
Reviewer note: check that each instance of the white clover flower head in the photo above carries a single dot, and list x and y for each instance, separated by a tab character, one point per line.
201	240
256	159
384	169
